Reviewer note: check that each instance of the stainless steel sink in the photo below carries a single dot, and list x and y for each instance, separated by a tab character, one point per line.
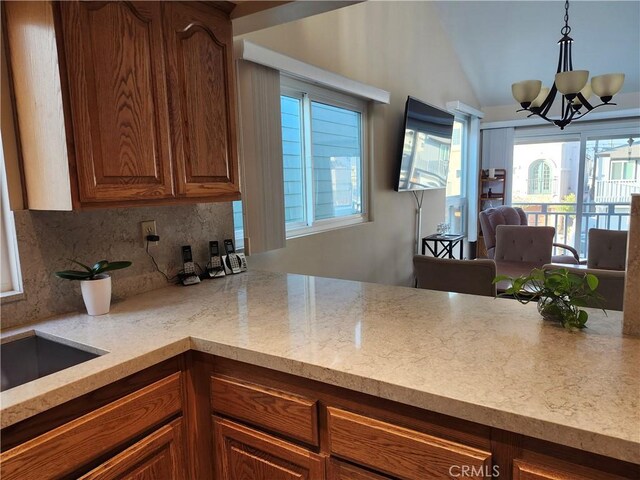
34	356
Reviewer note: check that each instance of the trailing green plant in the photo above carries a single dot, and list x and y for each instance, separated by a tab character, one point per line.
90	273
560	294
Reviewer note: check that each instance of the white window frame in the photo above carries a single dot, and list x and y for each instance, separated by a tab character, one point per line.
465	120
308	93
8	225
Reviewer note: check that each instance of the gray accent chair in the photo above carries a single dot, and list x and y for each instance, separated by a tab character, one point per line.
451	275
491	218
519	249
610	285
607	249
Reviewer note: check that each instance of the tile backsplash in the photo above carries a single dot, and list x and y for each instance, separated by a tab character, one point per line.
47	240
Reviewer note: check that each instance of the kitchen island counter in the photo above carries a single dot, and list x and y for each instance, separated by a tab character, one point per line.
490	361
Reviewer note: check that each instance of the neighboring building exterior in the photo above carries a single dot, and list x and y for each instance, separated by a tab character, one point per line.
545	172
616	176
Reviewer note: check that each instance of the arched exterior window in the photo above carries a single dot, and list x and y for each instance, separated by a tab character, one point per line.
539	177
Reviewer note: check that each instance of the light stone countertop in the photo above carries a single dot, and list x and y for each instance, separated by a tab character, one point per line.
490	361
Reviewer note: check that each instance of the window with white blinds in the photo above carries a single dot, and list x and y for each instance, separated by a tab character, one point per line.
324	161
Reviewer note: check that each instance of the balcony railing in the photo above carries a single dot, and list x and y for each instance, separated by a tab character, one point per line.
615	191
563	216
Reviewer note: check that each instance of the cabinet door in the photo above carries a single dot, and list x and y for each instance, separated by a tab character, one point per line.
545	469
243	453
71	446
202	101
159	456
119	109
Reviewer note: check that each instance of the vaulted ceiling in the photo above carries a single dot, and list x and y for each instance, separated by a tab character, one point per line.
502	42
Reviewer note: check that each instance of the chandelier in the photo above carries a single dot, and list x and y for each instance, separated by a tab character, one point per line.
572	84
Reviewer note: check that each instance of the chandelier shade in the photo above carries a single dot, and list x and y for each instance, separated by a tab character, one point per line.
527	91
544	91
586	94
607	85
572	85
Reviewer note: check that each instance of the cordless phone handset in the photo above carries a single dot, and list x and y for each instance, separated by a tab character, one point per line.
232	261
187	260
215	262
188	275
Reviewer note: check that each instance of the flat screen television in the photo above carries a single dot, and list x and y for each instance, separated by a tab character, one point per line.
425	149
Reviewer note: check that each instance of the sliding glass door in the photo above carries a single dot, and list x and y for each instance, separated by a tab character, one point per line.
545	183
576	182
611	175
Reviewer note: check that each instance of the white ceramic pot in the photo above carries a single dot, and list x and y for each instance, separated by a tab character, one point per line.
97	294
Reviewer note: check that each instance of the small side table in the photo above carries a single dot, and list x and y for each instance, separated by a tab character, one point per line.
443	245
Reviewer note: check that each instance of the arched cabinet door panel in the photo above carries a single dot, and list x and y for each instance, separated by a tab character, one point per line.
201	101
118	100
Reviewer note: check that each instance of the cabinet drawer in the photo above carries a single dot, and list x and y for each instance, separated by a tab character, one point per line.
65	449
338	470
292	415
401	452
159	456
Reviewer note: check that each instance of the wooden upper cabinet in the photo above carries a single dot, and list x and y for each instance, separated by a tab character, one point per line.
199	44
124	103
116	70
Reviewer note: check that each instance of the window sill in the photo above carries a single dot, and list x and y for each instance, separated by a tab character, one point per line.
326	226
11	296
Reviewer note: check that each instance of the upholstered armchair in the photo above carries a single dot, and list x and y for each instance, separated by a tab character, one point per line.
492	217
607	249
520	248
451	275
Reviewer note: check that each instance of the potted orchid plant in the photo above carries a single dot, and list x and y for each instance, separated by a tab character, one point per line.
95	284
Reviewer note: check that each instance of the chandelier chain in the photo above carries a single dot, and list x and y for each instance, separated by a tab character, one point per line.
566	29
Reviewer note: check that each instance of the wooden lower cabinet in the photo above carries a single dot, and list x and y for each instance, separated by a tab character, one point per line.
158	456
68	448
199	417
244	453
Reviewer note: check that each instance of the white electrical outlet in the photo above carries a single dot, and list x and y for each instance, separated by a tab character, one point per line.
148	228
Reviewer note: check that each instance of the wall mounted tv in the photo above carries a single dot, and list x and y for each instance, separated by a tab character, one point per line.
425	149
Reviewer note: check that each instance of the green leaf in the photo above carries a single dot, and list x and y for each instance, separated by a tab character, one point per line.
88	269
582	318
115	266
579	302
501	278
97	268
592	281
73	275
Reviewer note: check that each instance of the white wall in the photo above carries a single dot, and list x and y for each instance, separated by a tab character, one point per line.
400	47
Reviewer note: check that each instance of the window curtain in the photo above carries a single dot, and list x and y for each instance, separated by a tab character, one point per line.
261	157
497	152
